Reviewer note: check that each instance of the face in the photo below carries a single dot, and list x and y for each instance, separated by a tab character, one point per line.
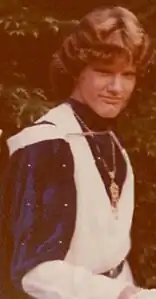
106	89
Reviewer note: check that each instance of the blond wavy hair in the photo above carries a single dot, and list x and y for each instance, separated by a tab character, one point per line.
102	34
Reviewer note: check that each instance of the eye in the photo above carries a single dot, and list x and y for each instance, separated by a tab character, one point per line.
130	75
103	72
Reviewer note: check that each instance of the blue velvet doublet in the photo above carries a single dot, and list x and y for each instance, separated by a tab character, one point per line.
38	227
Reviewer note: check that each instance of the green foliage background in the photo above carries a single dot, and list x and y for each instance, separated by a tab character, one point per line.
29	32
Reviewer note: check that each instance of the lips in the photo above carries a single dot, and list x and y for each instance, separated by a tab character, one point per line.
109	100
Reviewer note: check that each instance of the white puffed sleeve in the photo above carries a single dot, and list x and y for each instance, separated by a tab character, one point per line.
59	279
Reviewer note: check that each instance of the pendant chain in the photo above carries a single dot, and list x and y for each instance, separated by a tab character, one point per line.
113	188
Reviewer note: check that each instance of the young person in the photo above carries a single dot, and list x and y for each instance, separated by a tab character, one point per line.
68	189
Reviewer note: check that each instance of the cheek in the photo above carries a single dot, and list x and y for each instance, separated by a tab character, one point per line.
101	83
129	87
91	87
85	87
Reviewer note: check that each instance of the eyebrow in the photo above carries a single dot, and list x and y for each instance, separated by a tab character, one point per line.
101	69
109	70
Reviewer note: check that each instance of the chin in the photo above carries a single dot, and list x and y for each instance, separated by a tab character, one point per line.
108	111
112	114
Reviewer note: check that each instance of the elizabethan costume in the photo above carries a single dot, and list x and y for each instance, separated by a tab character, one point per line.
62	236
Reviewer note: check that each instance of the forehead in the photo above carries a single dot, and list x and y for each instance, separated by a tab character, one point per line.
119	64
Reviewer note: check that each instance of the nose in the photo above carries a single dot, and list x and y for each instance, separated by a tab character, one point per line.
115	85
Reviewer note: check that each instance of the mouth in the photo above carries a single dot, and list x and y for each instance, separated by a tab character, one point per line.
110	100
